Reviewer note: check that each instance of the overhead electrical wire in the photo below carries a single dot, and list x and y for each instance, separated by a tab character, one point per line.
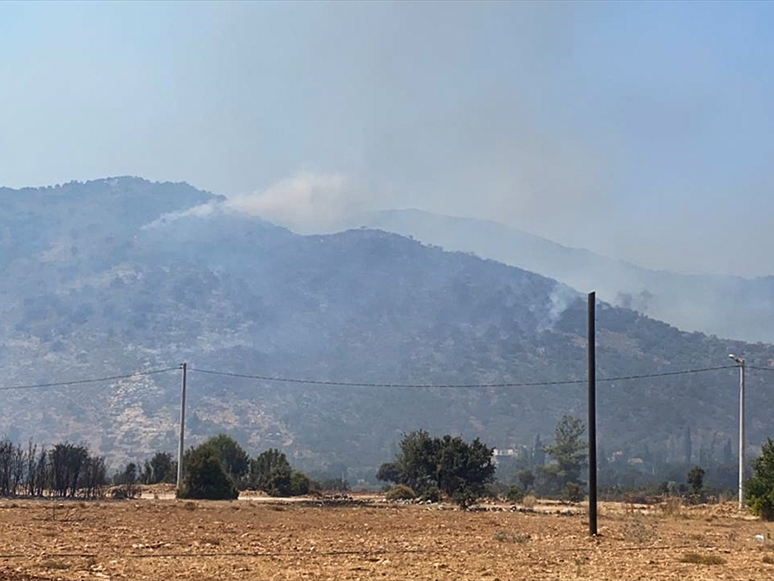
760	368
91	380
371	384
452	386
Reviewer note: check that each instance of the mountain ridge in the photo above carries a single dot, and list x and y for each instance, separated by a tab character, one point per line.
721	305
231	293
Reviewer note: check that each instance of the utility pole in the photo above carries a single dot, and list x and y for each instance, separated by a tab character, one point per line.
184	367
741	363
592	349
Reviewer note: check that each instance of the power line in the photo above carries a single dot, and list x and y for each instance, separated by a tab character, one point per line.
666	373
371	384
452	386
92	380
760	368
367	384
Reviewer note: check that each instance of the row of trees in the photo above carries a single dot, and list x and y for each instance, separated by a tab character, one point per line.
161	468
217	469
220	467
424	466
65	470
463	471
428	466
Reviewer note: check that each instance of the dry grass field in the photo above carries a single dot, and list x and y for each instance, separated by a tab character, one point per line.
247	539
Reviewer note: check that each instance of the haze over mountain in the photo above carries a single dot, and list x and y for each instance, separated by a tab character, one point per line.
641	131
726	306
115	275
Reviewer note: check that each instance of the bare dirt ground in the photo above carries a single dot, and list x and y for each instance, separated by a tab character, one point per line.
168	539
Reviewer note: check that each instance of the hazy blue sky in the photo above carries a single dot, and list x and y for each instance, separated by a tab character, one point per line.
642	130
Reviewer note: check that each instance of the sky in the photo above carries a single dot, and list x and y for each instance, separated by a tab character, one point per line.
640	130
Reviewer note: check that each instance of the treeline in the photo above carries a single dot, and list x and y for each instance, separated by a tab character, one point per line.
219	468
65	470
431	467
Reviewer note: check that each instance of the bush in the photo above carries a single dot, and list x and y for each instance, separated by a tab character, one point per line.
698	559
400	492
514	494
465	497
299	484
433	494
529	501
573	492
271	473
205	478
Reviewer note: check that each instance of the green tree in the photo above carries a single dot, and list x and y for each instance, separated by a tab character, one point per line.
235	461
463	470
205	477
760	488
67	463
696	479
417	461
526	479
459	469
568	449
270	472
300	484
388	472
161	468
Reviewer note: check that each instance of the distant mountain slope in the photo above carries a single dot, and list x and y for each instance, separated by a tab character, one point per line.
726	306
94	291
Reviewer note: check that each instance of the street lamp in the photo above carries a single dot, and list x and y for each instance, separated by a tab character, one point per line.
740	363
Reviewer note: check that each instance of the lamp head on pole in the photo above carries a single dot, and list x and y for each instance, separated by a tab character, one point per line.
739	360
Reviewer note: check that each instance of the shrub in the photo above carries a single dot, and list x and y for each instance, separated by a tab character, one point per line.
573	492
400	492
514	494
271	473
433	494
299	484
529	501
505	537
466	497
205	478
702	559
672	506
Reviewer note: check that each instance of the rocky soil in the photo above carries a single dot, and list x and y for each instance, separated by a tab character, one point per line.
248	540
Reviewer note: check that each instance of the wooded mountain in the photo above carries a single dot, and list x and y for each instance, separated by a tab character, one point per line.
726	306
111	276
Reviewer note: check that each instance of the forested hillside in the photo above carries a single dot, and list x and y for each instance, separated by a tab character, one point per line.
112	276
727	306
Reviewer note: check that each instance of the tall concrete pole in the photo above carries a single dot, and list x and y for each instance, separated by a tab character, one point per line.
741	363
592	350
741	434
180	444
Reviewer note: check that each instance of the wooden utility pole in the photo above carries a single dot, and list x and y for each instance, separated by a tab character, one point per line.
592	348
184	367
